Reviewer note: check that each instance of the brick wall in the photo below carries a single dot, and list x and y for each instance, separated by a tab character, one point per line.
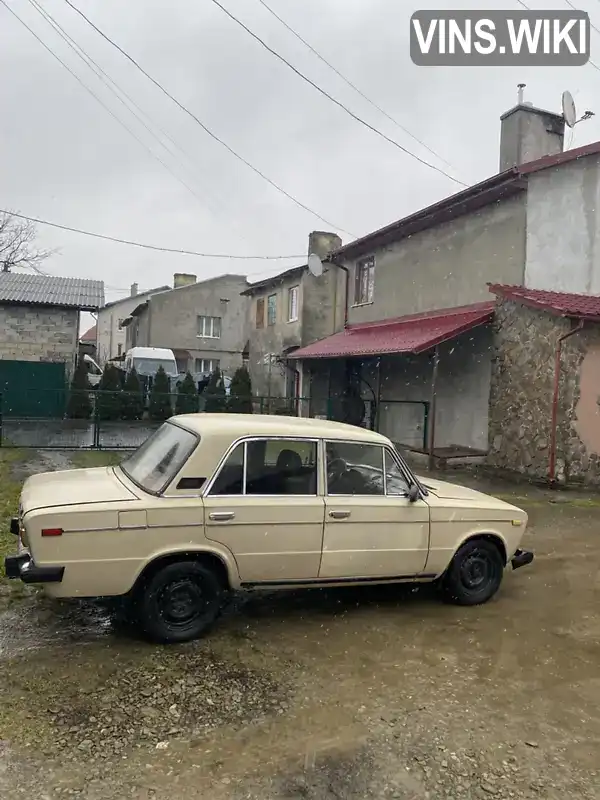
30	333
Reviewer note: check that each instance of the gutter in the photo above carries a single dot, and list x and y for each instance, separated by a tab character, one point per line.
555	399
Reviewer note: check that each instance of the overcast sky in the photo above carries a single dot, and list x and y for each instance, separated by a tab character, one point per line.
64	158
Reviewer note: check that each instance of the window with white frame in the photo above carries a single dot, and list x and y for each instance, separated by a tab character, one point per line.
364	282
293	303
209	327
206	366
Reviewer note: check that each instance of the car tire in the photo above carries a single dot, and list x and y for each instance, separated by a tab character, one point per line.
179	602
474	575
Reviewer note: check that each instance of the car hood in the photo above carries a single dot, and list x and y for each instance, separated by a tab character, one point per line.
453	491
73	487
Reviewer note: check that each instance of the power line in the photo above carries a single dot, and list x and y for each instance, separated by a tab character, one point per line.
333	99
589	61
93	94
128	102
204	127
142	244
350	84
568	2
107	80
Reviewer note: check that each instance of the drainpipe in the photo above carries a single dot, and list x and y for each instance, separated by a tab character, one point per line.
347	288
555	398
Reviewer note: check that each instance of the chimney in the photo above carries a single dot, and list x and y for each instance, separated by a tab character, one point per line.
321	243
183	279
134	290
527	133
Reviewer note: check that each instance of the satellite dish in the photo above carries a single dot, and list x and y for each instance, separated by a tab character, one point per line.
315	265
568	107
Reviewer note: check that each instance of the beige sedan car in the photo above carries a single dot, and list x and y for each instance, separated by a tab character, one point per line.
218	502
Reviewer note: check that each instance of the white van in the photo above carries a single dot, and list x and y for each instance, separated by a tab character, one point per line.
94	372
147	361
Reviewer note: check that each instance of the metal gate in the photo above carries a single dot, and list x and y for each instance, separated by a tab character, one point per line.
32	389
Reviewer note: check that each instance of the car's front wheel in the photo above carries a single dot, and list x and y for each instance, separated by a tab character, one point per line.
474	575
179	602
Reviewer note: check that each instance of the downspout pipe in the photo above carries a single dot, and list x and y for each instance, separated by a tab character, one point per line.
555	399
343	267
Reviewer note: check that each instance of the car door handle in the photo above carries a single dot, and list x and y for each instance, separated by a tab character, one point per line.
221	516
339	514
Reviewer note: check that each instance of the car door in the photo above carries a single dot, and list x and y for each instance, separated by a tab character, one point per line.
372	530
265	505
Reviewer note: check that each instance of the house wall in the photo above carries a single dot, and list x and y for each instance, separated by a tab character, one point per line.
36	333
448	265
171	320
563	228
110	334
462	389
317	298
404	385
521	396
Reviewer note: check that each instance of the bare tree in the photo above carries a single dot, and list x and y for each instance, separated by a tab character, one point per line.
17	244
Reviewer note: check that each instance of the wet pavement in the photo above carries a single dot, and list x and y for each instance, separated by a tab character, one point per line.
378	692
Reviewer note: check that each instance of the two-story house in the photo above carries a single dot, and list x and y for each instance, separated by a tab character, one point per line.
110	332
288	311
417	352
203	322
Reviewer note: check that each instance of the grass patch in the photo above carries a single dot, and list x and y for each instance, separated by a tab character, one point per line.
10	490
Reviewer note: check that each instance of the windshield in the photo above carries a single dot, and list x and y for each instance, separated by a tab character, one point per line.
154	465
149	366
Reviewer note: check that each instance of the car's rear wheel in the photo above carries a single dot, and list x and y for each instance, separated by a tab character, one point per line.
179	602
474	575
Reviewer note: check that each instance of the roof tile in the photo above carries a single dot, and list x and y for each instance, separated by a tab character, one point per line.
564	304
411	334
48	290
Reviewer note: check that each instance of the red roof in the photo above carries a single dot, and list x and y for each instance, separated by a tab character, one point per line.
90	335
497	187
412	334
563	304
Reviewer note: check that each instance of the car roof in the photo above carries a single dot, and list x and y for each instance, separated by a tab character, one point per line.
238	425
151	352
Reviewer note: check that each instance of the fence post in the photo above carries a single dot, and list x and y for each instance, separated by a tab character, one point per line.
1	407
95	423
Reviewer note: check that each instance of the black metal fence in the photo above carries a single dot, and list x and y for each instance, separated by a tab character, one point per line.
49	419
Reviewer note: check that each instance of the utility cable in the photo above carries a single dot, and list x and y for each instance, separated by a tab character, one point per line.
331	98
204	127
353	86
133	243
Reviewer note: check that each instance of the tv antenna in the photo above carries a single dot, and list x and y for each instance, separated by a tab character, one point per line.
570	114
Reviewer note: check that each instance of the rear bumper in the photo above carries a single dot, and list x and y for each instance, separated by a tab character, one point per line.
24	567
521	558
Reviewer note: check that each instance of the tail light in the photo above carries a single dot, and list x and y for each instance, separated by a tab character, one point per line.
52	531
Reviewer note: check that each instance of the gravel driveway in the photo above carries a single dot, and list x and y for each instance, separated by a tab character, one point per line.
382	693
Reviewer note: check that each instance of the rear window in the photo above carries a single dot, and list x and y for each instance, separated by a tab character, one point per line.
154	465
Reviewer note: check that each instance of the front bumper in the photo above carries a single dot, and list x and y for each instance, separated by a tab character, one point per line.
521	558
24	567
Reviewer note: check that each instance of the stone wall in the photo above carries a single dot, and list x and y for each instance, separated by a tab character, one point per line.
522	388
36	333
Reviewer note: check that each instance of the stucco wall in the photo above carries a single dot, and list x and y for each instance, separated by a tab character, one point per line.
109	333
171	320
316	320
521	396
448	265
35	333
563	228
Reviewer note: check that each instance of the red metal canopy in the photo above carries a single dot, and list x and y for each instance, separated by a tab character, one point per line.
412	334
563	304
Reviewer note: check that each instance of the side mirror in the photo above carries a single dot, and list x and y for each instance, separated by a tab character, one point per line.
414	493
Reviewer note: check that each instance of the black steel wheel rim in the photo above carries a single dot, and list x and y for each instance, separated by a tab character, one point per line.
477	570
181	603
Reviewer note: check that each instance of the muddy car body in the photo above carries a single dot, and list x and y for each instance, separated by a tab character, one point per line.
219	502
